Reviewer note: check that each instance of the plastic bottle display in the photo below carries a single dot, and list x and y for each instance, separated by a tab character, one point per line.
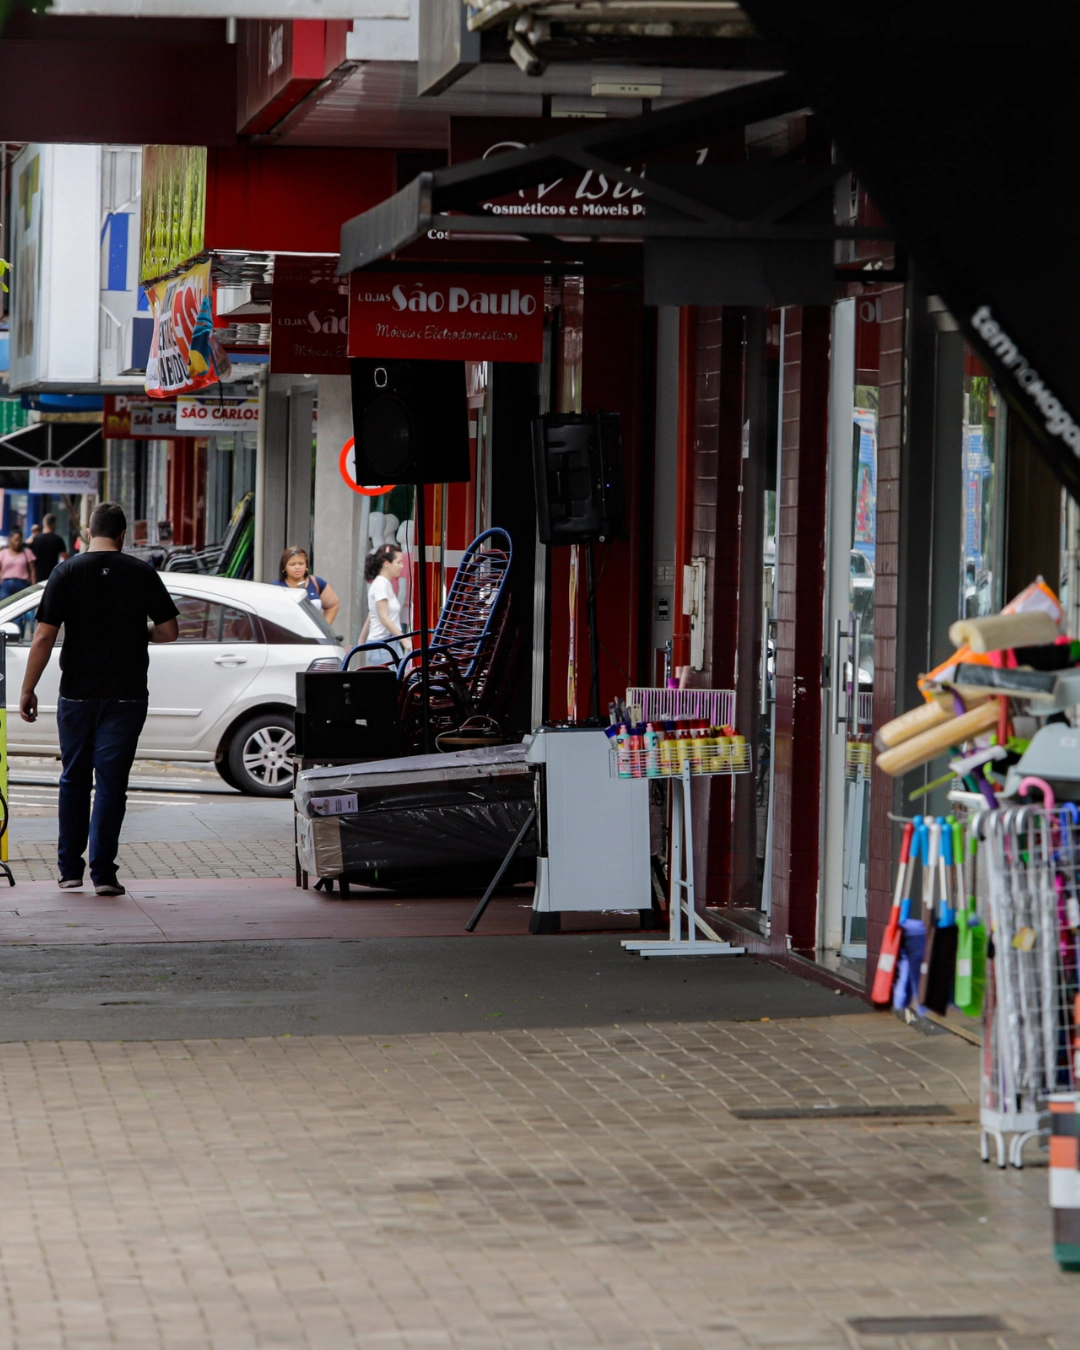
665	749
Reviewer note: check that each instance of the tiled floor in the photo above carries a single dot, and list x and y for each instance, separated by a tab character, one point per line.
556	1188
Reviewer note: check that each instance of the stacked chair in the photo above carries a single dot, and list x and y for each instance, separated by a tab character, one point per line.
472	648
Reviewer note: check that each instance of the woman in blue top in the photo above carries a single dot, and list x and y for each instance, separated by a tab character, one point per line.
294	574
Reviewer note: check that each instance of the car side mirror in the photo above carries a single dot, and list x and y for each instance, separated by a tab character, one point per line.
11	630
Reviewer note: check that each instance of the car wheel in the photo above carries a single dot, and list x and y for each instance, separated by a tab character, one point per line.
221	763
259	758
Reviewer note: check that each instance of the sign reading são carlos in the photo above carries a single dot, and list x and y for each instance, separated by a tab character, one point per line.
437	317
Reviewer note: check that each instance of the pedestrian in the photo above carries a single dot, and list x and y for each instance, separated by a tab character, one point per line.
294	574
16	566
105	601
48	548
383	623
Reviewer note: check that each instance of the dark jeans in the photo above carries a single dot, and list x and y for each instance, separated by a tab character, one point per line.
98	737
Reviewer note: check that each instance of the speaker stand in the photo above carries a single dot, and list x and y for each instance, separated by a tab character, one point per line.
422	589
594	637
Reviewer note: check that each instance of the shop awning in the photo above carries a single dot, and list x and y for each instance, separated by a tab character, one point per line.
686	205
76	445
962	122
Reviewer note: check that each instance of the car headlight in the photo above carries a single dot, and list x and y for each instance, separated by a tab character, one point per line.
325	663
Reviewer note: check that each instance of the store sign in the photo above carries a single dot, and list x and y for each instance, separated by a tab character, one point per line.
213	416
129	419
56	478
437	317
184	354
309	326
583	194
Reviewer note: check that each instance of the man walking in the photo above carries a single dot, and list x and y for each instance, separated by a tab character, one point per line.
104	601
48	548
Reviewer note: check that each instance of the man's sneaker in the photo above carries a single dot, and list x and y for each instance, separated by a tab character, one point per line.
70	883
110	888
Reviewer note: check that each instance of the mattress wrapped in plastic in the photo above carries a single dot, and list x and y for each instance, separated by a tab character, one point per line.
393	822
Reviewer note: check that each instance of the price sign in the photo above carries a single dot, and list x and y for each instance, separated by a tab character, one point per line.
347	465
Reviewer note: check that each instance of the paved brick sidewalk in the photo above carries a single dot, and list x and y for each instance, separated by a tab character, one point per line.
269	856
554	1189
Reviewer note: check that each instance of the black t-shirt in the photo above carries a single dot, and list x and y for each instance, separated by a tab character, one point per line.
104	598
46	549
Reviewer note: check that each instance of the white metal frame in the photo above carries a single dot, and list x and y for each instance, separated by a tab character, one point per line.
682	890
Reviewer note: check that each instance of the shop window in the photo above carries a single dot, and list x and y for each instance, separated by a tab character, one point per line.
983	464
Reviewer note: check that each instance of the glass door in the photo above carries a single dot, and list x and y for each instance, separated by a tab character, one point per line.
851	577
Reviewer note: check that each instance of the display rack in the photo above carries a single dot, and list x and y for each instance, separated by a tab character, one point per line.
716	706
701	759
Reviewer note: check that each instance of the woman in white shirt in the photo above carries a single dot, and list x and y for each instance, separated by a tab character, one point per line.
381	570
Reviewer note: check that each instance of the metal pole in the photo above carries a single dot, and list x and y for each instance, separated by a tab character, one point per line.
421	563
259	543
530	820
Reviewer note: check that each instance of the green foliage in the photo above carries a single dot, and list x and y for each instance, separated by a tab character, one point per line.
5	267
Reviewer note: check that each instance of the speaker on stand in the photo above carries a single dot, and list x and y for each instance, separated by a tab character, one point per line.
577	466
411	426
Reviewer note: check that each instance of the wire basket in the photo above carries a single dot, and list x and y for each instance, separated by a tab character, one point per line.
707	757
715	706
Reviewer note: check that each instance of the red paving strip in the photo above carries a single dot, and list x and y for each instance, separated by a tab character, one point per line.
253	909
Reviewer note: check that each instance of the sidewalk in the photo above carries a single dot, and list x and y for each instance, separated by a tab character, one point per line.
236	1114
199	829
586	1187
240	910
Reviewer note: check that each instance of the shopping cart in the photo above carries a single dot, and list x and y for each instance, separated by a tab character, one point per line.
1032	858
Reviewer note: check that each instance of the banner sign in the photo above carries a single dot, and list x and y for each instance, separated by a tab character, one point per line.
184	354
173	207
214	416
133	419
309	322
56	479
443	317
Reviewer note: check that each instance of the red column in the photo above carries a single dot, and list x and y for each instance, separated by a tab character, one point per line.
612	381
800	577
717	466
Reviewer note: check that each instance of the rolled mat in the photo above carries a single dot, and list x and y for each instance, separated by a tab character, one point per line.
921	749
939	710
999	632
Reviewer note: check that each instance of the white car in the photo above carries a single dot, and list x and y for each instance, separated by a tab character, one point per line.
225	691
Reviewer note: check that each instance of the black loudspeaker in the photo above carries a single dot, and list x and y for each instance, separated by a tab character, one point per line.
347	715
410	421
577	463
